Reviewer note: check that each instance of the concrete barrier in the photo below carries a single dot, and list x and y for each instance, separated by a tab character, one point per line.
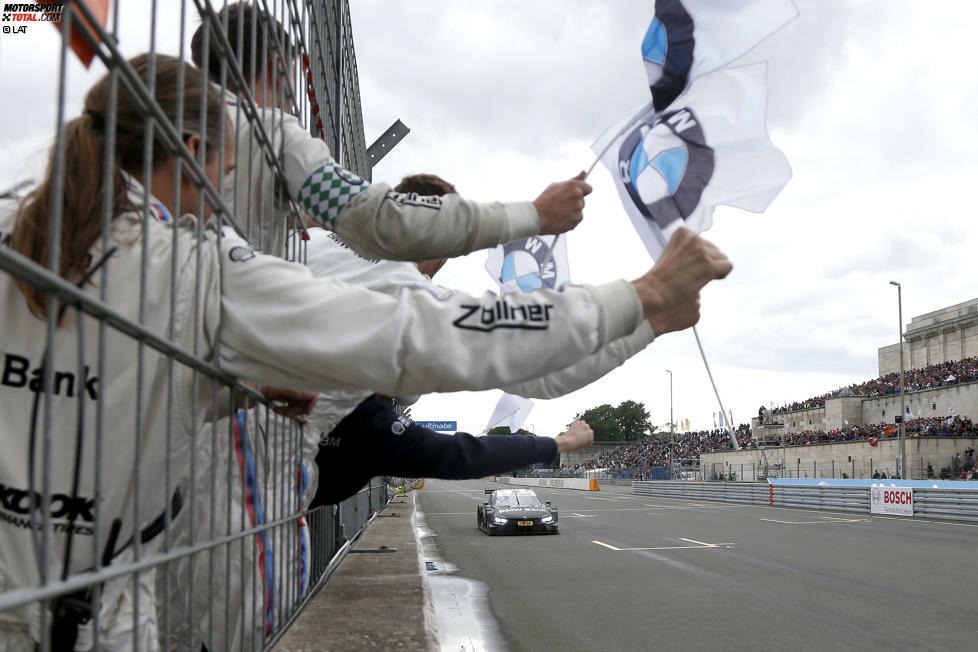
583	484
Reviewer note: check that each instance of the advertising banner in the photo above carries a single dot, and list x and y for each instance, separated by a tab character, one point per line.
893	501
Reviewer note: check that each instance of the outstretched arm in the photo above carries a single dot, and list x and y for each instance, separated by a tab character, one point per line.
377	222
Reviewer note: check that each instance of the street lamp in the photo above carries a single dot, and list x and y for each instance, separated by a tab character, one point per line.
903	409
672	426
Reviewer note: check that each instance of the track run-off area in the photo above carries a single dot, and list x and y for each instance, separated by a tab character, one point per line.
633	572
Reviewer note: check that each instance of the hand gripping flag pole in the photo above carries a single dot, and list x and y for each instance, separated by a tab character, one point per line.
594	164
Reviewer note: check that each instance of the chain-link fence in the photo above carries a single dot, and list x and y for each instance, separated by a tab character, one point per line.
150	498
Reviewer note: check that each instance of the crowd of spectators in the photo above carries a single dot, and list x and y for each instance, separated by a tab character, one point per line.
684	449
944	374
949	426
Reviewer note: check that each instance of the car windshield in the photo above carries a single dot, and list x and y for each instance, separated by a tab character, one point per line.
517	500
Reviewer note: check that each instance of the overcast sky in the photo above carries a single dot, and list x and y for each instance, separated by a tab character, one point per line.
875	104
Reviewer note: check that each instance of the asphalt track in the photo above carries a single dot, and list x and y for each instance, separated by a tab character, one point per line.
637	573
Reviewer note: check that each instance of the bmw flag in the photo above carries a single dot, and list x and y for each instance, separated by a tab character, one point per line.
690	38
525	265
516	266
703	140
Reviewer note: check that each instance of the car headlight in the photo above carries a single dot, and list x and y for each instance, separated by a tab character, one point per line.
499	520
547	519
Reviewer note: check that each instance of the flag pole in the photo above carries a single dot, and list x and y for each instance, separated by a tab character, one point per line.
550	253
730	430
611	141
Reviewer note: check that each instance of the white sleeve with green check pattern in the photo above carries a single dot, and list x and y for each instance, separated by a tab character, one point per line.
327	190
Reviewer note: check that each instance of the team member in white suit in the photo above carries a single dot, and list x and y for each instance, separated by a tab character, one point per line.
260	318
328	257
371	218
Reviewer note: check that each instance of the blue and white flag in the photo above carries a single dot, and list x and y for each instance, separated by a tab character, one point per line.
525	265
721	419
709	148
702	141
690	38
516	266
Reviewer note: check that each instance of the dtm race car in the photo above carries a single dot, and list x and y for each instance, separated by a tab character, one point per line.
516	511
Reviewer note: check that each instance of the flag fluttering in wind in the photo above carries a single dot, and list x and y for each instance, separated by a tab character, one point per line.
511	412
525	265
690	38
702	141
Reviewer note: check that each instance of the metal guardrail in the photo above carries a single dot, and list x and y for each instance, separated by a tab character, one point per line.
945	504
951	504
727	492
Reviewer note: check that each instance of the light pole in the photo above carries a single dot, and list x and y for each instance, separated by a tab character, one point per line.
672	427
904	466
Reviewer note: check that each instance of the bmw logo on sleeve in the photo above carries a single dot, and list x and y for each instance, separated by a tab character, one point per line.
239	254
521	266
667	51
665	164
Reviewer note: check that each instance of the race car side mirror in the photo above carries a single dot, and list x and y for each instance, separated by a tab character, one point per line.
548	503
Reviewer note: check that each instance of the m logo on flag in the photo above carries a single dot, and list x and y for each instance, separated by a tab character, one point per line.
665	164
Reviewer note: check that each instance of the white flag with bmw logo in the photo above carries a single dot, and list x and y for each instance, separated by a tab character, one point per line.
703	139
516	265
523	266
687	39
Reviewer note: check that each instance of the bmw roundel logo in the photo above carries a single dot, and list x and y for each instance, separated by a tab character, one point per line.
667	51
521	266
665	164
239	254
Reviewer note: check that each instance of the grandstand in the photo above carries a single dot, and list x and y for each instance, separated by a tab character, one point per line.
943	335
850	430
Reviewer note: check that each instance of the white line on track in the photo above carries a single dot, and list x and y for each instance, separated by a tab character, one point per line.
700	546
825	520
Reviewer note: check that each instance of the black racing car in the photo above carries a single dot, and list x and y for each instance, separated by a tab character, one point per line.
516	511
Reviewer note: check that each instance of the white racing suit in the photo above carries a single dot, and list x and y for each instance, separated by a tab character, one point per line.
372	219
329	257
245	477
261	319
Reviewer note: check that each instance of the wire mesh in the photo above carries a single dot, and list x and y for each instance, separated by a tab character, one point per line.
150	499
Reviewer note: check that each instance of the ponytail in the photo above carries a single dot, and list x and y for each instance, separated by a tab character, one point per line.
81	207
84	187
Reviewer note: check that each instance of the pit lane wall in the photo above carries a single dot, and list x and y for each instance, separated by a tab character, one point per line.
583	484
